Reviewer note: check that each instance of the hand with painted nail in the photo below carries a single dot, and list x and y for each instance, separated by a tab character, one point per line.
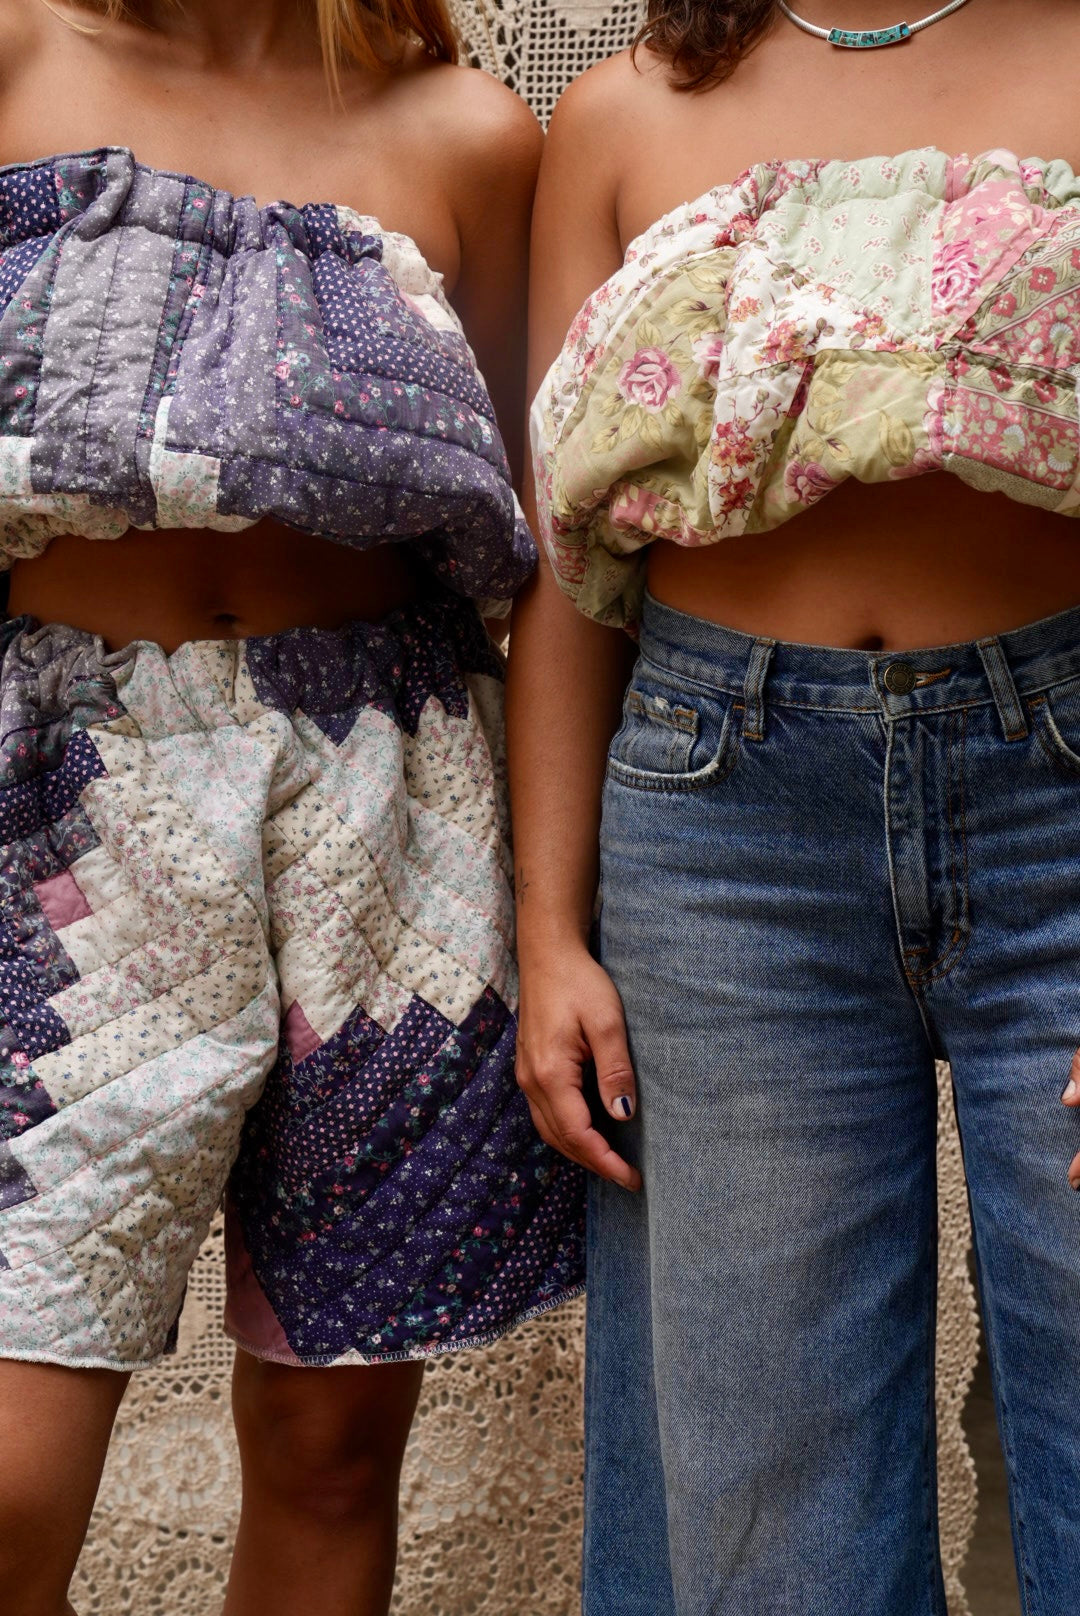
571	1014
1071	1097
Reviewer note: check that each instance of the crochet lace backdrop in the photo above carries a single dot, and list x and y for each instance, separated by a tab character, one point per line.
491	1493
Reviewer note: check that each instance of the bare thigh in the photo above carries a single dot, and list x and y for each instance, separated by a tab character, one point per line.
55	1425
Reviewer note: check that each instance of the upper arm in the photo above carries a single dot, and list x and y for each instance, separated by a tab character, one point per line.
494	194
575	231
556	651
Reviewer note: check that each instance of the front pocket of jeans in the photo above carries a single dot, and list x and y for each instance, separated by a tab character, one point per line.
668	742
1055	717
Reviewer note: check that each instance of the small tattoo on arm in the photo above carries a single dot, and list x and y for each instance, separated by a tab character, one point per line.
522	885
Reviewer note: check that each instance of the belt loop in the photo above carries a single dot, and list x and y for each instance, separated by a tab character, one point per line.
754	690
1008	703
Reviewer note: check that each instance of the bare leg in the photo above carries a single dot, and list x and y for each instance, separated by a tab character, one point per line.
54	1433
321	1451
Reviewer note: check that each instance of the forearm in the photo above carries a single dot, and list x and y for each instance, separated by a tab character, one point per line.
564	693
566	680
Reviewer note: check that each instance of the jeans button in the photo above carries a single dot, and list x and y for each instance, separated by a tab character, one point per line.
900	678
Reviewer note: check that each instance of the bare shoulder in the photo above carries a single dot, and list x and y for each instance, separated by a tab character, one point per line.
611	99
594	136
485	145
479	122
600	129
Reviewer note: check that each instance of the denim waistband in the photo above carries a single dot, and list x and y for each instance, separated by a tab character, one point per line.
1001	669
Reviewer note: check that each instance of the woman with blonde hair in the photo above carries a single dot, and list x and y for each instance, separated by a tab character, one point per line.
806	308
256	900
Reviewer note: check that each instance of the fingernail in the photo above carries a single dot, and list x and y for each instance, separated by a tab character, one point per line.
624	1105
1070	1090
1074	1183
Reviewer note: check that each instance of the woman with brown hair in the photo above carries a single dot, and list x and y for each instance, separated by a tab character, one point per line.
809	411
252	812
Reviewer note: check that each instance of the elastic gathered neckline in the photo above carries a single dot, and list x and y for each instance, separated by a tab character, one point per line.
111	181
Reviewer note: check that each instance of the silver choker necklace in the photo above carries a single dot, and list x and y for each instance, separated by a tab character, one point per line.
869	38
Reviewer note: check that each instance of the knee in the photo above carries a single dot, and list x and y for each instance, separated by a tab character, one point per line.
29	1578
320	1443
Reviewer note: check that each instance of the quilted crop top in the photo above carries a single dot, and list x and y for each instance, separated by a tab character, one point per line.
175	356
814	321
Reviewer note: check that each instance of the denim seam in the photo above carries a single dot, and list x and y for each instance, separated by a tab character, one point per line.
1034	692
1027	1587
938	712
1028	695
961	898
675	676
910	977
945	962
918	711
930	1468
822	707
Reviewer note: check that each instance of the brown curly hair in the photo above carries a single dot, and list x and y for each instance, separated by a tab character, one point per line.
702	41
368	31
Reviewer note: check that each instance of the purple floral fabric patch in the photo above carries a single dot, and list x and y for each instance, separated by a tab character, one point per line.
248	362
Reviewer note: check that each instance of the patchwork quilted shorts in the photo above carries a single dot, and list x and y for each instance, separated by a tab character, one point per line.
256	918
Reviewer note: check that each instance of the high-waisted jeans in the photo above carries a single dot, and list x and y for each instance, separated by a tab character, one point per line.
820	870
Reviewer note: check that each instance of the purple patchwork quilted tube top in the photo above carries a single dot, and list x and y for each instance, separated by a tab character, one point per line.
175	356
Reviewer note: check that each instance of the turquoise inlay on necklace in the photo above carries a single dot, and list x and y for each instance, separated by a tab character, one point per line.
868	38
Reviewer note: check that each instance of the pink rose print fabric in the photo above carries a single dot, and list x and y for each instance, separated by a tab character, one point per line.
811	322
648	379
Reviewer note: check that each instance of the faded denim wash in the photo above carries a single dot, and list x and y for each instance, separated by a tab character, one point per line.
820	870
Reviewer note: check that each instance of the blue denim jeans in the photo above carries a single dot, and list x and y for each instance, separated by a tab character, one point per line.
820	870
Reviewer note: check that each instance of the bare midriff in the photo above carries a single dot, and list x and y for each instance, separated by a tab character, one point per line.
173	585
885	567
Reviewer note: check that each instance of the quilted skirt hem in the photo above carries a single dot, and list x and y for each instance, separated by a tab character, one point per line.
49	1356
361	1360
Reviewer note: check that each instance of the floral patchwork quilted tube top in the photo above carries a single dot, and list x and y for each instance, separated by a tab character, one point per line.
175	356
811	322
